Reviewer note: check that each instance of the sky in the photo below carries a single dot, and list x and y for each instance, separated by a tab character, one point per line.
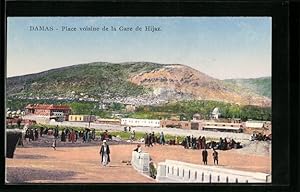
222	47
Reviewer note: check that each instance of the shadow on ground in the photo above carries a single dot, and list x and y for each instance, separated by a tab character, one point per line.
20	156
26	175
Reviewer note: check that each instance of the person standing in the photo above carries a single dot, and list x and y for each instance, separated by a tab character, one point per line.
93	134
105	153
204	156
63	136
133	135
176	140
36	134
138	148
152	139
41	131
215	156
146	137
72	136
203	142
54	144
162	139
31	135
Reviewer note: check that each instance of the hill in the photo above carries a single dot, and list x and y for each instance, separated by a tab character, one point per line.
89	79
261	86
136	82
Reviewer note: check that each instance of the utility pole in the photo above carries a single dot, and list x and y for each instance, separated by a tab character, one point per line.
90	119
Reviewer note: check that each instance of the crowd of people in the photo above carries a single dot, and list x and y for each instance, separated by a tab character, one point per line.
151	138
64	135
260	137
31	134
191	142
224	144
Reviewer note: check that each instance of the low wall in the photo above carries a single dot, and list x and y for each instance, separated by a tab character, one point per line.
176	171
140	162
12	139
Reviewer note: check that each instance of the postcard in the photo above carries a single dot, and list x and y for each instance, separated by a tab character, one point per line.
138	100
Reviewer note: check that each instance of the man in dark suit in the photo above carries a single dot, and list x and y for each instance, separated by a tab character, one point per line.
215	156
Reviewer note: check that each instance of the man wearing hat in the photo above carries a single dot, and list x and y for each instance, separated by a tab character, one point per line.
104	152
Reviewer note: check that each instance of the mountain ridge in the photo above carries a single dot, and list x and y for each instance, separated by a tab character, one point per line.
130	79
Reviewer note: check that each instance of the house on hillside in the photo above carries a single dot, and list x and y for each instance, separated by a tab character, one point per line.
130	108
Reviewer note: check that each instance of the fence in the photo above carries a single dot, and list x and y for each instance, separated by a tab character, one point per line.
176	171
140	161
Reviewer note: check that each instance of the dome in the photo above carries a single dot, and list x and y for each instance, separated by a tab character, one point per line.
215	111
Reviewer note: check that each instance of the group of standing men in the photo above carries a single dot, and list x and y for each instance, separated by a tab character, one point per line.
214	154
151	139
194	143
31	134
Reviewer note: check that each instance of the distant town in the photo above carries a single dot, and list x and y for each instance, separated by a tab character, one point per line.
41	113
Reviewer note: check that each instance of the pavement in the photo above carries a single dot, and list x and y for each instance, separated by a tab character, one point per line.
81	163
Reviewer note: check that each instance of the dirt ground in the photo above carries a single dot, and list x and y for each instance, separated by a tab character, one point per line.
82	164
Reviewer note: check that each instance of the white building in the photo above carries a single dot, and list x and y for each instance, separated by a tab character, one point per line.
140	122
254	124
215	113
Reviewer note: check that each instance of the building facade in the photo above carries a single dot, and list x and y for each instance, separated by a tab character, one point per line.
109	121
140	122
221	126
48	110
82	118
175	124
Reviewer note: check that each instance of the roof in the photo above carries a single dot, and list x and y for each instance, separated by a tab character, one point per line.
47	106
221	127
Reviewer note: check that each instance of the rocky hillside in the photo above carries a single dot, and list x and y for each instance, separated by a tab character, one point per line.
180	79
134	79
261	86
